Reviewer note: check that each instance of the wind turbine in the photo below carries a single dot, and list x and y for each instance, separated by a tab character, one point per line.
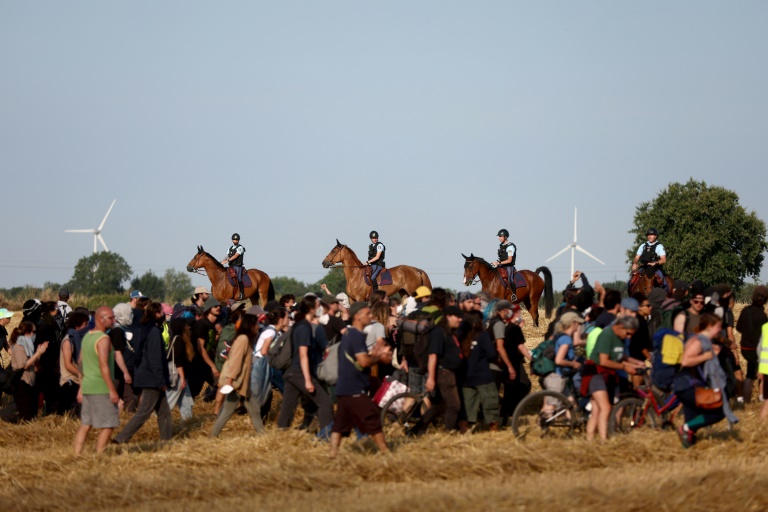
574	247
96	232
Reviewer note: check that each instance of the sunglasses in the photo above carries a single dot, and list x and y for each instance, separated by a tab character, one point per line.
697	301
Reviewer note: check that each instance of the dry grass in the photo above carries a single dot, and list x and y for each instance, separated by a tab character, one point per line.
290	471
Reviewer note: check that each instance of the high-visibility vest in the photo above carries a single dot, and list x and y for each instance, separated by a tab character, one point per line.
763	368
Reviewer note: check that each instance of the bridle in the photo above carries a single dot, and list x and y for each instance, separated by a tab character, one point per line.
198	270
475	276
339	264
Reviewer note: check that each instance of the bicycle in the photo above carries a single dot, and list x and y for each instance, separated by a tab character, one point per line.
402	412
650	408
549	413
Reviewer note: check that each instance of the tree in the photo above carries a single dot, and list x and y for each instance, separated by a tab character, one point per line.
150	285
99	273
707	234
334	280
177	285
283	285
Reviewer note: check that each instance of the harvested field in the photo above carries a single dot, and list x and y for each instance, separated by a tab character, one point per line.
290	471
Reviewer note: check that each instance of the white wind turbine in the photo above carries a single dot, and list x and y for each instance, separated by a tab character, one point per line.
96	232
574	247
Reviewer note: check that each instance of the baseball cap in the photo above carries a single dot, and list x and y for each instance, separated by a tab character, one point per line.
255	310
64	293
202	289
330	299
465	296
136	294
422	291
4	313
570	317
630	304
504	304
211	303
356	307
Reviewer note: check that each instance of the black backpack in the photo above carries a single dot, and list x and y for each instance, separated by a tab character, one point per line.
280	352
414	331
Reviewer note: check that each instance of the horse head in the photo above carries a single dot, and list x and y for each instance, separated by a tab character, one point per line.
334	256
470	269
194	263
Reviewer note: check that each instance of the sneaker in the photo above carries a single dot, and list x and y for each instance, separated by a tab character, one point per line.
687	438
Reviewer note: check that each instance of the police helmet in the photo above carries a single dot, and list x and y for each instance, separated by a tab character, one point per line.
652	231
503	232
235	237
374	234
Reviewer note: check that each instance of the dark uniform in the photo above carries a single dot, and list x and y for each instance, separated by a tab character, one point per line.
504	249
378	265
237	263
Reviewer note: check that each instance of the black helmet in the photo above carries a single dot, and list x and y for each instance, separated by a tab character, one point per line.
235	237
503	232
652	231
374	234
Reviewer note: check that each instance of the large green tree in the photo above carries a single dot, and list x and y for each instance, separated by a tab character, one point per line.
177	285
707	234
99	273
150	285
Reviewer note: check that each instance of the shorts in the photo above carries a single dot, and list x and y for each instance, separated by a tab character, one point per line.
597	384
356	411
99	412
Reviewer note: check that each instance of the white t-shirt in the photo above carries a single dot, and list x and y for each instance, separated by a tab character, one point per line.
374	331
266	334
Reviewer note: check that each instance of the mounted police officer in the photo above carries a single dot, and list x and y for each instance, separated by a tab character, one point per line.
651	254
235	260
507	256
375	258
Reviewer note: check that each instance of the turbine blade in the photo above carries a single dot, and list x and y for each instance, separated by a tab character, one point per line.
561	252
79	230
585	252
107	215
103	243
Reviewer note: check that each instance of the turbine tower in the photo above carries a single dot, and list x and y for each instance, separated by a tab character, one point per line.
96	232
574	247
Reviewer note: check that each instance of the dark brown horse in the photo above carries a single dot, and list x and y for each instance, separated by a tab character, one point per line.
261	285
405	279
529	295
645	279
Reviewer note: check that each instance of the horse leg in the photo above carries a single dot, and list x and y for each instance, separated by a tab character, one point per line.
532	305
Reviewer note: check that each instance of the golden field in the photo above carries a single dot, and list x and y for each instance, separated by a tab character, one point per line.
290	470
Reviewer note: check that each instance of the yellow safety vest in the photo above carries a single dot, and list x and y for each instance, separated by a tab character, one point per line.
763	368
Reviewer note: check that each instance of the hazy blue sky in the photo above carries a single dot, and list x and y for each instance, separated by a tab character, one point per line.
434	122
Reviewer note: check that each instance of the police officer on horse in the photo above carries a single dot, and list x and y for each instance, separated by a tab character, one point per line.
235	260
651	254
507	256
375	258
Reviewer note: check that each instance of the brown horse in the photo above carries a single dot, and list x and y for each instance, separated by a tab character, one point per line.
645	279
261	285
491	280
405	279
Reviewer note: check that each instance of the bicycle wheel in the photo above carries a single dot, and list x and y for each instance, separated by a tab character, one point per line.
631	414
544	413
402	412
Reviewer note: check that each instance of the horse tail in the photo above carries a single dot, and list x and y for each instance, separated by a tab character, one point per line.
271	292
549	294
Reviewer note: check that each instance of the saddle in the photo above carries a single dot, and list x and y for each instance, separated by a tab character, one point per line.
232	277
383	279
520	281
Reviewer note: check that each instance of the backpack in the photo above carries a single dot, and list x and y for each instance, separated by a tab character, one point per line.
667	356
280	352
413	331
543	357
328	369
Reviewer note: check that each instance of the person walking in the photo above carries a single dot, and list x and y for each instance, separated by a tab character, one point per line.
479	389
24	356
98	394
750	325
180	353
152	377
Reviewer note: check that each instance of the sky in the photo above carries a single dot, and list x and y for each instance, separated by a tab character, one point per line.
436	123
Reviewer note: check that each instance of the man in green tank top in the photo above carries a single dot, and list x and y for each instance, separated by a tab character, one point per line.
97	391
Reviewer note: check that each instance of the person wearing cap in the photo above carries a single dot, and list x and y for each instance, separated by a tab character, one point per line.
444	361
609	355
566	337
376	251
466	301
651	254
423	295
204	341
200	296
234	259
63	307
687	320
506	257
138	302
355	409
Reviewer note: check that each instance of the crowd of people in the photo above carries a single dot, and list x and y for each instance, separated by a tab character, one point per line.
144	357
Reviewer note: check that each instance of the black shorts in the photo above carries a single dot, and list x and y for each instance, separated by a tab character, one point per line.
356	411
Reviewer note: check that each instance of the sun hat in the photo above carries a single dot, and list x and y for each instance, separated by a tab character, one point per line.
568	318
31	306
422	291
4	313
201	289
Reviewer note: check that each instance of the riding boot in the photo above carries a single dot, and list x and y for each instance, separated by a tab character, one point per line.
513	287
241	295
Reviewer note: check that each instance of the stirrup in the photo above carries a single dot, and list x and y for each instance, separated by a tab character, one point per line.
513	298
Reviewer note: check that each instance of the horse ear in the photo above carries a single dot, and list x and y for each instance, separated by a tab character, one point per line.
199	249
338	244
464	256
471	255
